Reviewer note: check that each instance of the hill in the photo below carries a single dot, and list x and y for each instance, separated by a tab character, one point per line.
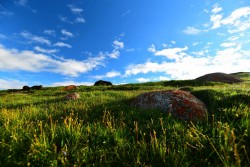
242	75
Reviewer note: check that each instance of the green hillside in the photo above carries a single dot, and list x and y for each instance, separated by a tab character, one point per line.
41	128
242	75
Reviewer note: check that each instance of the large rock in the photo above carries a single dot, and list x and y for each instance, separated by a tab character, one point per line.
177	102
69	87
102	83
219	77
72	96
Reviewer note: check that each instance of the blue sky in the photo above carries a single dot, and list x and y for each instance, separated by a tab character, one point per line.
62	42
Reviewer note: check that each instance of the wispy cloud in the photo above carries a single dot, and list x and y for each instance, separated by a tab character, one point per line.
21	2
216	8
80	20
65	19
117	45
75	10
191	31
152	48
11	84
67	33
34	38
5	12
62	44
42	50
172	53
228	44
111	74
13	60
50	32
228	60
126	13
65	83
237	21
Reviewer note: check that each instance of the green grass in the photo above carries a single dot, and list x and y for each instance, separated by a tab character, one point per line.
102	129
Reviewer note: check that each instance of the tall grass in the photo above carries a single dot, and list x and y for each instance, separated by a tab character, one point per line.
102	129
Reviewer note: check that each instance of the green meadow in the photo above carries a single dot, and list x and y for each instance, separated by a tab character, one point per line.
40	128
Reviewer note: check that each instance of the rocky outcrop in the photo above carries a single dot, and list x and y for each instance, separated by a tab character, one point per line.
219	77
179	103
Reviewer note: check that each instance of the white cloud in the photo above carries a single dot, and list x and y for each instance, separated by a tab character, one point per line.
47	51
50	32
216	20
11	84
62	44
74	68
65	19
228	60
15	60
191	31
34	38
195	43
172	53
80	20
152	48
118	45
12	59
233	38
239	19
67	33
236	15
230	44
114	54
65	83
200	53
75	10
21	2
111	74
216	8
161	78
142	79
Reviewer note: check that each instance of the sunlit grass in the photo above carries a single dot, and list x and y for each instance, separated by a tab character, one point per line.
102	129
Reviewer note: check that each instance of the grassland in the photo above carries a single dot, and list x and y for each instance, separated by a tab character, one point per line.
101	129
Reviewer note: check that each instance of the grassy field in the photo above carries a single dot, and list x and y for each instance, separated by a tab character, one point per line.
40	128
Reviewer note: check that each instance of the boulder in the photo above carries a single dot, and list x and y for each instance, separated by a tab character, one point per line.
69	87
219	77
179	103
102	83
72	96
